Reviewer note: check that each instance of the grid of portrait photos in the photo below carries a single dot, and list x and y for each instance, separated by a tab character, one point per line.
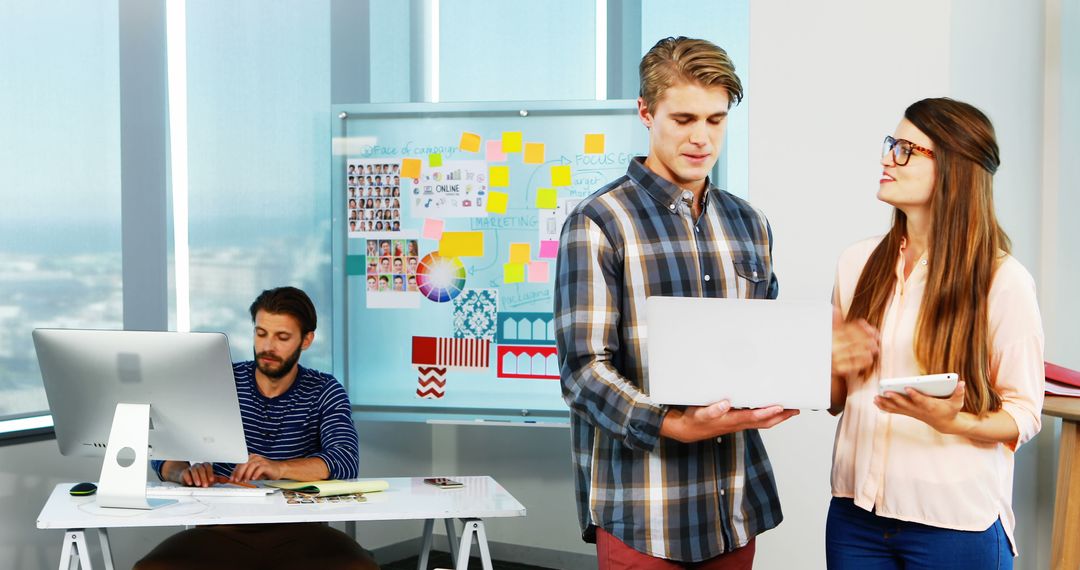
392	265
373	199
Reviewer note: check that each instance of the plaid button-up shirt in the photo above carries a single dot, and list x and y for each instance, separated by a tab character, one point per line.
633	239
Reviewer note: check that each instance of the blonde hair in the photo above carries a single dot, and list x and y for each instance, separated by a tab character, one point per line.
966	244
682	59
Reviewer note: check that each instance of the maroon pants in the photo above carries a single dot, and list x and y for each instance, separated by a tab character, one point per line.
614	554
259	546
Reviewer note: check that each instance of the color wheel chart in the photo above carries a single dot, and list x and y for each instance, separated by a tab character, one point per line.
440	279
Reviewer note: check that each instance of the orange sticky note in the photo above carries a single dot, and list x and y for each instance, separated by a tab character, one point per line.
594	143
461	244
410	168
534	153
470	142
499	176
539	272
511	141
560	175
547	198
514	272
519	253
497	202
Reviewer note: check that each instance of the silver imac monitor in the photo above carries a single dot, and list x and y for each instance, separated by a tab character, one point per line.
132	395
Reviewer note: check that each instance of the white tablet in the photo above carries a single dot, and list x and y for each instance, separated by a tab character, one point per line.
937	385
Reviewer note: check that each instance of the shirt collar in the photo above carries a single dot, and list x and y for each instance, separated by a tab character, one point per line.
661	189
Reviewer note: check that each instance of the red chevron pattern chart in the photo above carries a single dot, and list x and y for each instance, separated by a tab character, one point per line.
434	356
432	382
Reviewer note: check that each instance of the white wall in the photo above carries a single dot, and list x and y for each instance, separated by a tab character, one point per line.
831	79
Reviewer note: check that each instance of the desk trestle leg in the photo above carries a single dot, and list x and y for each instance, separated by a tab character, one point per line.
425	544
106	550
473	528
75	554
451	538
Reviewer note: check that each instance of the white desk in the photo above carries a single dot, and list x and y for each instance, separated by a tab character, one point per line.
406	499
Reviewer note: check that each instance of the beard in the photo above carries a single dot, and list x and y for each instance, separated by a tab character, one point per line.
279	370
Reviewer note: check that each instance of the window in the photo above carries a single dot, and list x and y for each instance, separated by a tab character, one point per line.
60	262
259	162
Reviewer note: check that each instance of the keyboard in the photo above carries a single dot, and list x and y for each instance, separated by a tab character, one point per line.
165	490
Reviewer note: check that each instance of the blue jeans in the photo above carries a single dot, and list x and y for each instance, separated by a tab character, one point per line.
858	539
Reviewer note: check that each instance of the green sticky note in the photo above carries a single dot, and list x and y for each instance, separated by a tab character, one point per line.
434	160
560	175
547	198
514	272
355	265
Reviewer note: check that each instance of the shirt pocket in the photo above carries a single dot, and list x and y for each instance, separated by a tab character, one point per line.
753	278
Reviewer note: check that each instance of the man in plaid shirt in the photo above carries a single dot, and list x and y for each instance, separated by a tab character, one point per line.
660	486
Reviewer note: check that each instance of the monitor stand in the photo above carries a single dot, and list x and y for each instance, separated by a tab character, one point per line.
123	473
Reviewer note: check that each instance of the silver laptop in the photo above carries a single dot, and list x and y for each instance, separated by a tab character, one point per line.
753	352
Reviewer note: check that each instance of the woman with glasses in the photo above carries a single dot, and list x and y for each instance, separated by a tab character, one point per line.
918	481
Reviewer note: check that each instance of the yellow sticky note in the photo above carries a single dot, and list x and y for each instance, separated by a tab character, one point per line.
511	141
547	198
410	168
519	253
560	175
534	153
497	202
594	143
470	142
499	176
461	244
434	160
514	272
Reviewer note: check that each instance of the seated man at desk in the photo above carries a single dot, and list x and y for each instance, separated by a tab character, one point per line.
298	425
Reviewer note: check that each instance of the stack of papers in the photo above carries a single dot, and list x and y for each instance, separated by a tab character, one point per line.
331	487
1061	381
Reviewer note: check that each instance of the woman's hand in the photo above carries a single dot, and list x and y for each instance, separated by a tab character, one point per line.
939	413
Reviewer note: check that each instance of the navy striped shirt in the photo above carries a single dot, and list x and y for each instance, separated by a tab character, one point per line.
313	418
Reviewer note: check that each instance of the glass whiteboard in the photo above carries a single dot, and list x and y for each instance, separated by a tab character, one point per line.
460	327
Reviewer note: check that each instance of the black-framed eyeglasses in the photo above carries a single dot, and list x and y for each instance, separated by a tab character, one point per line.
901	150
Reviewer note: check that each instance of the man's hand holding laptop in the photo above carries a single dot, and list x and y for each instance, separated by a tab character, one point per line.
696	423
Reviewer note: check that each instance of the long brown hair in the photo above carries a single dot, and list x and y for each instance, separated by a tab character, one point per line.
965	243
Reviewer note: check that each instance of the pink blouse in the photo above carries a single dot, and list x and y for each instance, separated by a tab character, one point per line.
906	469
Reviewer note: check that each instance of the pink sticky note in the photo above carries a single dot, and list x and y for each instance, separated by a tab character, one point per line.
549	249
538	272
495	152
433	228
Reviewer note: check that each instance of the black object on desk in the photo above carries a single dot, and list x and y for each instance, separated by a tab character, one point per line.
82	489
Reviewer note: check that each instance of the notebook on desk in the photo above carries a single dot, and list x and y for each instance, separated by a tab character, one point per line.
752	352
330	488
